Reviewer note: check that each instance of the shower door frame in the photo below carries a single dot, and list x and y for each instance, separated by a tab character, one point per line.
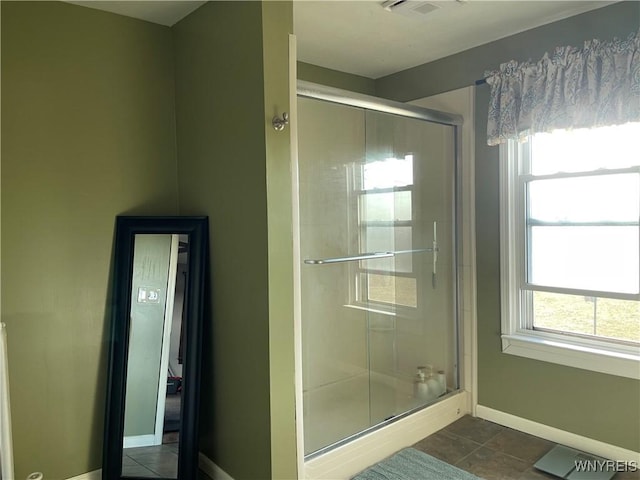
314	91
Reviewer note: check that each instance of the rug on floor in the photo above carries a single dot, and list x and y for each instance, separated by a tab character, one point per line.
412	464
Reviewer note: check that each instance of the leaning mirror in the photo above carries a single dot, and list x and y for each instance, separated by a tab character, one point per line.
154	361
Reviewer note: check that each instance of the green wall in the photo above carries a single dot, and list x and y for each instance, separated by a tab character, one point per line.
231	79
277	24
87	134
594	405
336	78
89	131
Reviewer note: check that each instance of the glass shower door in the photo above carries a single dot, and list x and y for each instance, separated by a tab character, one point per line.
377	283
407	206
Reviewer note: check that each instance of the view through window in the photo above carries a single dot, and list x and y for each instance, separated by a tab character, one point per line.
385	223
580	213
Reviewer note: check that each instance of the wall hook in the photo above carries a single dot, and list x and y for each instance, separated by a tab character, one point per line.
279	123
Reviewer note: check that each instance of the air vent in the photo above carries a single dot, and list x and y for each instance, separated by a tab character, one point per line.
416	8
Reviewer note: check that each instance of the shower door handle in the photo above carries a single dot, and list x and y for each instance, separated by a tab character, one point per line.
365	256
435	254
355	258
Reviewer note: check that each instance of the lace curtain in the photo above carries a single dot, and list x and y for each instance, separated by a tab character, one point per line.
596	85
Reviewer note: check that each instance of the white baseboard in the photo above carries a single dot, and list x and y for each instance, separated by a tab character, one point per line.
211	469
141	441
556	435
345	461
94	475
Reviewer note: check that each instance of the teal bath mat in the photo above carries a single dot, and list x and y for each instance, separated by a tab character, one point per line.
412	464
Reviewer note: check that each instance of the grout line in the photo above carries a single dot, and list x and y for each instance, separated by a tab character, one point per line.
529	464
146	467
468	455
484	445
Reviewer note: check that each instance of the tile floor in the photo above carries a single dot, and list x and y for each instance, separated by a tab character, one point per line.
491	451
157	461
151	462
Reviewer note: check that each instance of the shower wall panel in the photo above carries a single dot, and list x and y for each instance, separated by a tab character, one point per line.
335	341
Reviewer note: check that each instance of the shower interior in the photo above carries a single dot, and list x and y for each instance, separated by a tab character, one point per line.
378	285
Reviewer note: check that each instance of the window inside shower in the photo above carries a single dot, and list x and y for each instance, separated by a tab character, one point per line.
382	190
378	277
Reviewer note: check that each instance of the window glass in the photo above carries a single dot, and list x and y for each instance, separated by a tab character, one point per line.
604	317
613	198
585	149
601	258
385	207
392	289
389	173
388	239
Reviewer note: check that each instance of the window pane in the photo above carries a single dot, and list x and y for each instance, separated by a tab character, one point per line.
388	239
392	172
586	199
605	317
385	207
588	258
586	149
394	290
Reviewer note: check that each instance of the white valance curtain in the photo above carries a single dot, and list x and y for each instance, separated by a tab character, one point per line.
596	85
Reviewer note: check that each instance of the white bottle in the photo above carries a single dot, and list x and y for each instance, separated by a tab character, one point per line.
420	387
432	383
442	380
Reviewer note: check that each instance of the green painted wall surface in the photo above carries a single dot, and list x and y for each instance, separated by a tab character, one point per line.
336	78
277	25
87	134
594	405
229	163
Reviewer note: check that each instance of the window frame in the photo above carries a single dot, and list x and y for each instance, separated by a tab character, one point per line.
359	290
518	336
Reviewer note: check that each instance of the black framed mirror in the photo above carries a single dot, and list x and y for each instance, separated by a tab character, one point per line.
154	359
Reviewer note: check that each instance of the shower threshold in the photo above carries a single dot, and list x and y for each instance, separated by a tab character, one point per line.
386	422
344	459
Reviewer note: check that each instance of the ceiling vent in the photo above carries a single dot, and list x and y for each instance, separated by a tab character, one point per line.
416	8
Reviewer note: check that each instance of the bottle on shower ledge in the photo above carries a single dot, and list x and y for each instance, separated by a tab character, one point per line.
420	387
433	385
442	380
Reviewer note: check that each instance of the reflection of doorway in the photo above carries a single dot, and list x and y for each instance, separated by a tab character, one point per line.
173	399
155	344
154	373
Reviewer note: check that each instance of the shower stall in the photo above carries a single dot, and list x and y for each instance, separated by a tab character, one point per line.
378	244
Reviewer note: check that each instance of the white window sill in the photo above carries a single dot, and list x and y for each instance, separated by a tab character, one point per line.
370	309
586	357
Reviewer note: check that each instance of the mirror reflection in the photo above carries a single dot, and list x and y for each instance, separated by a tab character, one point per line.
154	386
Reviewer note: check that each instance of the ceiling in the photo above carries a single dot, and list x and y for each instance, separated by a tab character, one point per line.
162	12
363	38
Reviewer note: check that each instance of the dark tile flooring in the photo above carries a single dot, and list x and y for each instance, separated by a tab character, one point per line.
491	451
151	462
161	460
